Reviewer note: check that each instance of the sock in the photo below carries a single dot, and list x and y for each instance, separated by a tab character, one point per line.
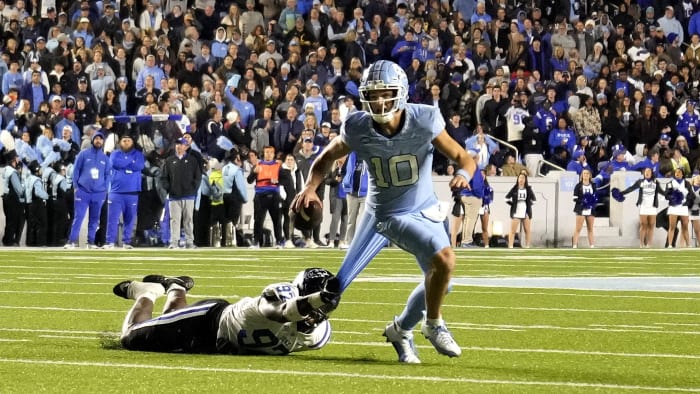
435	322
175	286
149	290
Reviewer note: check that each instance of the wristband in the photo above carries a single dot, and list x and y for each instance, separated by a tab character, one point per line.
464	175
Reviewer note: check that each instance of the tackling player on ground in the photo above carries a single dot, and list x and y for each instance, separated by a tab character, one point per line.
396	140
285	318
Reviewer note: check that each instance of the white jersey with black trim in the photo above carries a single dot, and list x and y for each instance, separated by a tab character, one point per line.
267	324
515	123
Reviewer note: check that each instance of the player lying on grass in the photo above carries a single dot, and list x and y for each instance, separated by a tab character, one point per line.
285	318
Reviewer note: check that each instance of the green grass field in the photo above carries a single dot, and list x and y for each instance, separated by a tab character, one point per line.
519	333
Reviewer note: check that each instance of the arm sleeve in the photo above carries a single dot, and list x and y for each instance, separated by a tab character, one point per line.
292	310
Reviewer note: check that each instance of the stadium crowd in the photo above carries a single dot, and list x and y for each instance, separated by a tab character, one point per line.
87	86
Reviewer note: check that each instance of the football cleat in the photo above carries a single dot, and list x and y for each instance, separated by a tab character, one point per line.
69	245
122	289
442	340
167	281
402	342
132	290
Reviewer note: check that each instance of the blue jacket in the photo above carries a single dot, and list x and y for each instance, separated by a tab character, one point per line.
694	24
683	127
91	170
126	171
557	137
646	163
477	186
350	164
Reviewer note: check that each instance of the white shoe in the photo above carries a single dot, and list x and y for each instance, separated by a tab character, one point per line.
108	246
311	244
256	246
441	338
93	246
403	343
70	245
172	247
574	246
343	245
289	244
127	246
592	246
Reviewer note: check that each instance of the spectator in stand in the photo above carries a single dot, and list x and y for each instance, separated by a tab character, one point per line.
287	132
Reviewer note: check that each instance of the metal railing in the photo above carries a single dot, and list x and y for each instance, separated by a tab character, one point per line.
511	146
549	163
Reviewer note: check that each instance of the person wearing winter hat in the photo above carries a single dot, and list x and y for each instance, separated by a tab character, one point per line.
90	172
125	185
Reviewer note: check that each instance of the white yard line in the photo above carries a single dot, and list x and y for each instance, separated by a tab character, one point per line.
316	374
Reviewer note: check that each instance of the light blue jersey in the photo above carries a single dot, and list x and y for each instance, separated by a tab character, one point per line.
401	203
400	167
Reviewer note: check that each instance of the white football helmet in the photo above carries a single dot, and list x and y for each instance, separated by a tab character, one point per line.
383	75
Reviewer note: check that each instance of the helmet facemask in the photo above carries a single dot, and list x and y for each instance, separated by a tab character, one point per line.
379	78
382	109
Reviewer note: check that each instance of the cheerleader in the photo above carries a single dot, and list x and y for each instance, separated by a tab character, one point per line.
648	203
676	193
520	198
694	205
584	203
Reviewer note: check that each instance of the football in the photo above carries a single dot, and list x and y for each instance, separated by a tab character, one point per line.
309	217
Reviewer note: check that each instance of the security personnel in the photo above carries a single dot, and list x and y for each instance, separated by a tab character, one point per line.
35	197
12	200
57	206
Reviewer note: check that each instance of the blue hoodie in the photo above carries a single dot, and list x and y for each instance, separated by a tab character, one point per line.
126	171
92	169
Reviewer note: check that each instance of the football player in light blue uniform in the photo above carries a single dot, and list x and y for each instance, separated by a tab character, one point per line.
396	140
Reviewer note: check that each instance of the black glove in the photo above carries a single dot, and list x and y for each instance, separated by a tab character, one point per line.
331	292
57	148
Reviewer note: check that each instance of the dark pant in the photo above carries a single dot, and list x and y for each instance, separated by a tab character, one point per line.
262	204
37	223
190	330
60	221
14	220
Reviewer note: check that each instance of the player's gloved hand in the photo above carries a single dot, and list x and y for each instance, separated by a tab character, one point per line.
331	292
